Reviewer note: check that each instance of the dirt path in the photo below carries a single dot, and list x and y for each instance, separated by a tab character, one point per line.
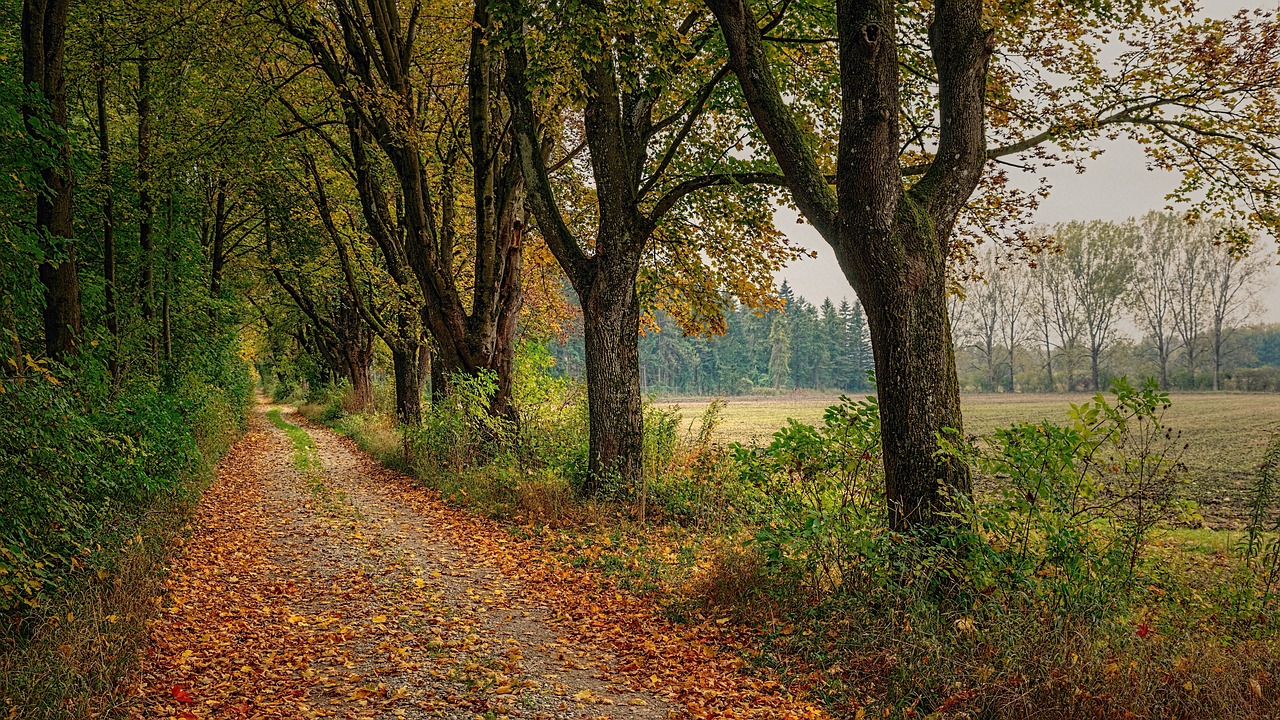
346	592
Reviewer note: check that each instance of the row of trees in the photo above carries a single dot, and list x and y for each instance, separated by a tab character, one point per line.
115	211
382	165
1175	288
1153	297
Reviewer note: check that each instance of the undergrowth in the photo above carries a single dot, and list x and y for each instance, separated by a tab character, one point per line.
1061	593
94	484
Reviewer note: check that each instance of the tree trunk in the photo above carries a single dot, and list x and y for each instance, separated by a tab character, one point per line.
1011	374
108	218
439	381
44	25
404	360
146	206
1217	353
1093	368
425	368
1048	361
358	372
218	252
917	387
170	259
611	329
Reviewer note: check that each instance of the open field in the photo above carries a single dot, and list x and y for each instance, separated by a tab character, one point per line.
1226	433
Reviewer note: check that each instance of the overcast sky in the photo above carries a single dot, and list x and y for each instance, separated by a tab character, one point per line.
1116	186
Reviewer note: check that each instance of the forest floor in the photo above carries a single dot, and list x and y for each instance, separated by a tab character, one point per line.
315	582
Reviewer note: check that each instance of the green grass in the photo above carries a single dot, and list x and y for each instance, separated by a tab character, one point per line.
304	448
1225	433
308	464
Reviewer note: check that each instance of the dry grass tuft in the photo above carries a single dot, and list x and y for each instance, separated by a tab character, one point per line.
545	501
72	658
736	579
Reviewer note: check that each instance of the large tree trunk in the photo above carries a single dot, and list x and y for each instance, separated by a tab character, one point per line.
404	360
108	216
44	26
611	329
917	387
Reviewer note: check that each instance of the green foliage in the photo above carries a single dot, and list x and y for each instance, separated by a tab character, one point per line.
1261	545
1075	504
1068	518
73	480
822	493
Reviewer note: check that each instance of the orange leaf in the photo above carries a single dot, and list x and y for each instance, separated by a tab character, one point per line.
181	695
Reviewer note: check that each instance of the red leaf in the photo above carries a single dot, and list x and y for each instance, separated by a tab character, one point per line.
1143	630
181	695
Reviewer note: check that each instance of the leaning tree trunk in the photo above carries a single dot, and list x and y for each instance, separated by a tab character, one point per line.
611	330
917	387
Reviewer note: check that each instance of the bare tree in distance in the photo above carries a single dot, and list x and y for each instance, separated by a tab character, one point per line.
1232	289
1152	294
1100	268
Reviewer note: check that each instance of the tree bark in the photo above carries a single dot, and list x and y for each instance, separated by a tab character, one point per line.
358	372
44	26
146	207
611	330
108	216
916	381
404	361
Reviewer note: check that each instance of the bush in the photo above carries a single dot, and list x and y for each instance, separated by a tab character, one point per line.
1074	506
1027	599
820	489
73	479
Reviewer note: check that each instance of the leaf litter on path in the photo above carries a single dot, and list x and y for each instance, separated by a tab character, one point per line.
354	593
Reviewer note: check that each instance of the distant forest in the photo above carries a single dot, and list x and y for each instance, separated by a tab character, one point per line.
1148	298
800	346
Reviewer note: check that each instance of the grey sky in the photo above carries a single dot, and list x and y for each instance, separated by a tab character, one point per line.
1116	186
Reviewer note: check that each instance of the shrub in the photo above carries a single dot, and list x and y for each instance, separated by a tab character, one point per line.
73	479
1073	506
1261	544
821	502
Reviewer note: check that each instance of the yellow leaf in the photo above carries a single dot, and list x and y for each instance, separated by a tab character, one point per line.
419	582
379	619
